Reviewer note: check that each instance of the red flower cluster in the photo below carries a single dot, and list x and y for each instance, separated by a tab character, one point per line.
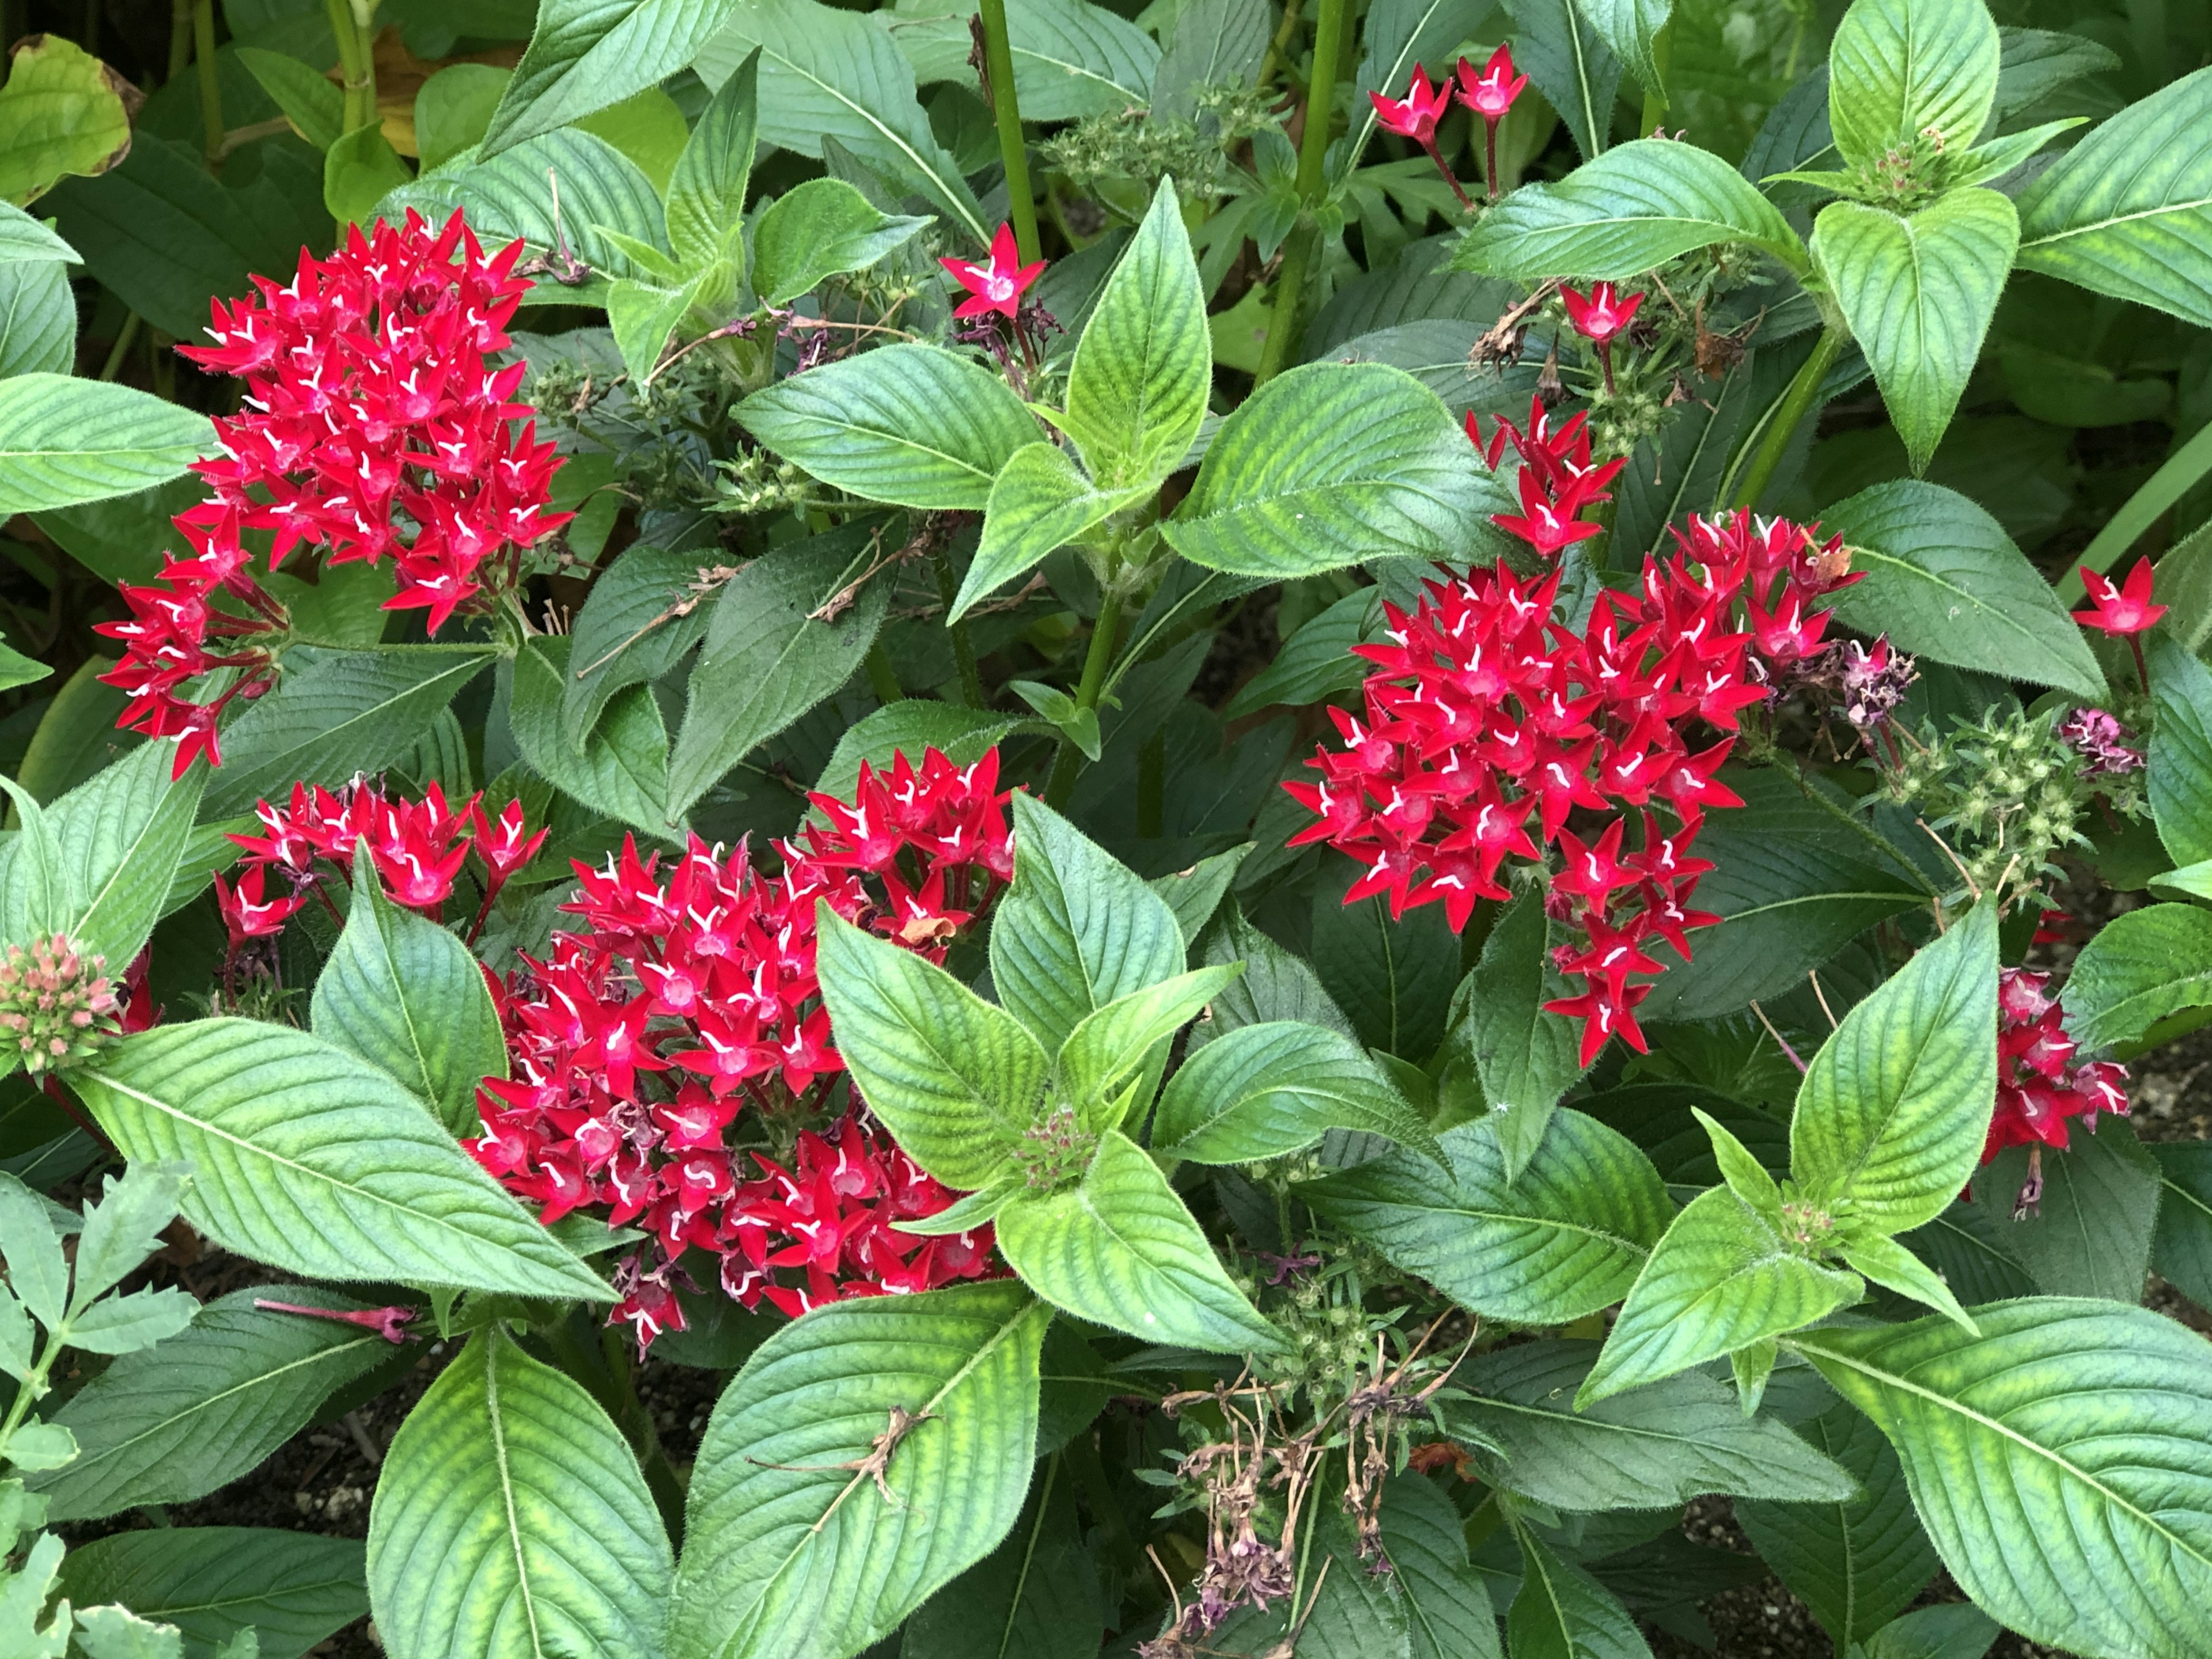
2038	1086
1489	92
418	848
372	426
1488	718
685	999
1558	480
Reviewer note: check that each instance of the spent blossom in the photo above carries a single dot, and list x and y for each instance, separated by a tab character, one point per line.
671	1063
372	427
2098	737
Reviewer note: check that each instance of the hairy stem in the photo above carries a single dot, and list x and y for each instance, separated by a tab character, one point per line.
999	63
1096	661
1313	155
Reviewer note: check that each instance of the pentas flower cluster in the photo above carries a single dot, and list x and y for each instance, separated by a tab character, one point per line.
372	427
1494	732
2039	1087
418	848
689	996
1558	480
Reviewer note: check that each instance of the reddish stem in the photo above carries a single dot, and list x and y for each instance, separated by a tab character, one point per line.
2134	644
1437	156
390	1323
1489	155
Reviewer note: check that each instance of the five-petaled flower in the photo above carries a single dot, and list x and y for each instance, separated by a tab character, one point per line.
1415	117
998	286
1600	317
2124	609
1490	94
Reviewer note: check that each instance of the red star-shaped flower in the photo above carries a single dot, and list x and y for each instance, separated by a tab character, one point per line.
998	286
2121	609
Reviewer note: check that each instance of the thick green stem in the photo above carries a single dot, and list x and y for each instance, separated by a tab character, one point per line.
998	64
2180	473
180	38
210	81
1801	399
1654	103
356	63
963	644
1313	157
1069	761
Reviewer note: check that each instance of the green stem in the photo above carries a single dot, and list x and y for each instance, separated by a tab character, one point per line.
1654	103
358	69
1069	762
998	64
963	644
1281	44
1313	157
883	678
2181	471
210	81
180	38
123	336
31	1389
1797	403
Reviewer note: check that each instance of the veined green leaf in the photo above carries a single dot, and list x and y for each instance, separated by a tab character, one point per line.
1570	64
22	237
584	55
64	441
119	836
706	194
1561	1613
1262	1090
1039	502
2179	779
1525	1057
312	103
1629	27
60	113
2139	968
621	770
1899	67
292	1589
822	229
1110	1045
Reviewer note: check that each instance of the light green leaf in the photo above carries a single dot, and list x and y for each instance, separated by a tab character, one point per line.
707	195
176	1421
121	1229
1889	1264
1076	931
587	54
1330	464
911	425
1856	1563
821	228
1721	1279
2139	967
119	836
954	1078
1564	1240
22	237
1561	1613
37	1271
291	1588
2128	211
359	171
1144	365
1629	28
312	1160
1266	1089
826	73
1526	1058
1121	1249
2081	1409
1944	580
1038	502
1899	67
61	112
406	996
641	316
510	1517
792	1551
2179	777
453	111
1654	1448
64	441
1891	1116
1636	207
1919	294
38	321
1072	59
1110	1044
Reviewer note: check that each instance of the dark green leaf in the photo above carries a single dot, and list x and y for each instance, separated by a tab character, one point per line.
292	1589
2139	968
1394	978
2181	1249
1526	1058
2090	1233
1561	1613
1447	1607
627	631
1034	1597
621	770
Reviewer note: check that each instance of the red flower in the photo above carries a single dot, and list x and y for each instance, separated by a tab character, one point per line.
1600	316
1415	115
1491	93
247	913
370	426
2121	609
2038	1086
1558	481
998	286
656	1048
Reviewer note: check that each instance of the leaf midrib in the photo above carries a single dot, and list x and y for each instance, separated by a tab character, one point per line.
507	1491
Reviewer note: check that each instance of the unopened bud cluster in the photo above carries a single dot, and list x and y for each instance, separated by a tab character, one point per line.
756	482
1055	1150
57	1003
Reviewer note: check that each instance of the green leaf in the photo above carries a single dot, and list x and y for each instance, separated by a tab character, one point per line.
622	771
36	1446
1330	464
1526	1058
1144	365
1944	580
1110	1045
791	1549
911	726
911	425
1953	1630
510	1516
1561	1613
770	654
64	441
37	1272
2128	211
1569	64
453	111
311	1160
1266	1089
2181	1249
1195	894
1039	502
628	632
1656	1449
207	1405
61	112
1858	1562
23	1600
2082	1409
642	316
821	228
2179	778
2090	1233
407	997
22	237
1072	59
1076	930
706	194
1316	662
1276	985
120	1230
1121	1250
1629	27
38	321
584	55
1214	43
1919	294
826	74
292	1589
1393	976
115	1632
2138	968
348	712
955	1079
1564	1240
359	171
1034	1597
1889	1264
1448	1610
1721	1279
1892	1114
1899	68
1637	206
119	836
